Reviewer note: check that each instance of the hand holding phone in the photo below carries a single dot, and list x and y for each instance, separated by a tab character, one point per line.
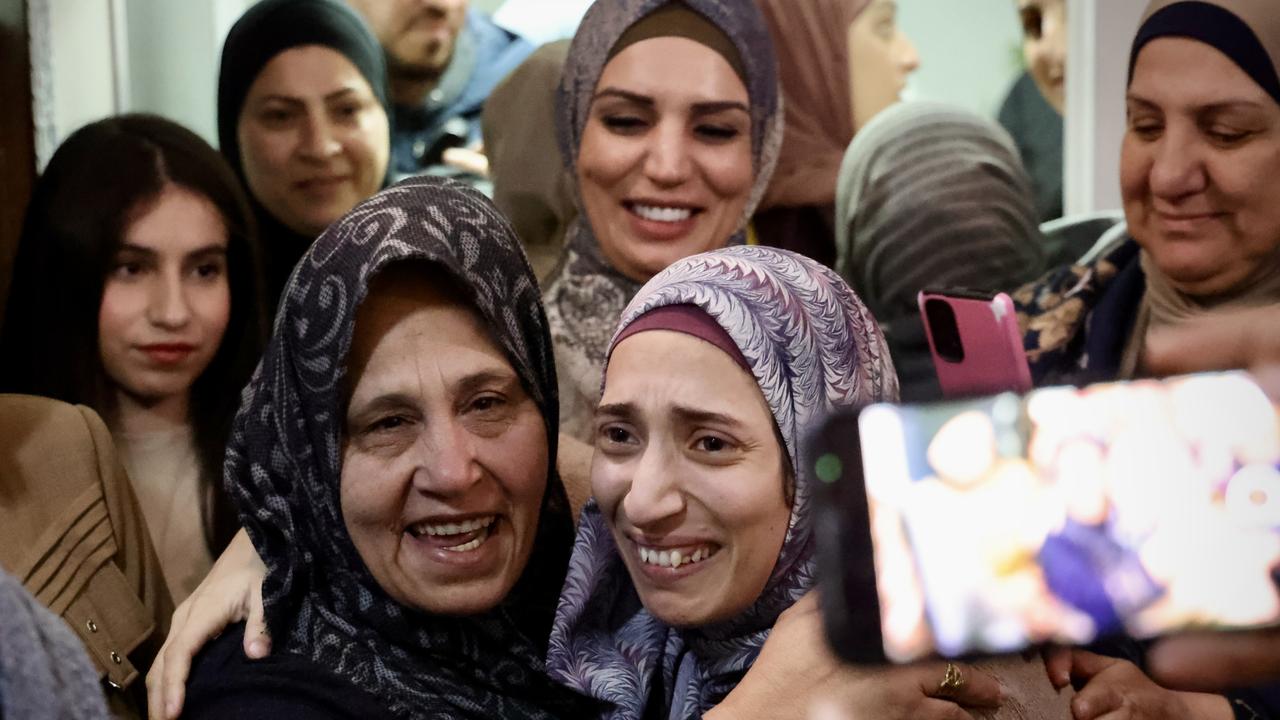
975	341
989	525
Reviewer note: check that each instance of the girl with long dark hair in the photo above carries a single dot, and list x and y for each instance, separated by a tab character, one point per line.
137	292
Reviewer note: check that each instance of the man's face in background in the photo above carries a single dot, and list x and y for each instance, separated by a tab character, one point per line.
418	36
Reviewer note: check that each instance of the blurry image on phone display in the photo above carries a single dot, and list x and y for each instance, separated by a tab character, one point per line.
1069	514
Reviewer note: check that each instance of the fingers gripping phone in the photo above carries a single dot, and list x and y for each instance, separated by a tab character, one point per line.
975	341
989	525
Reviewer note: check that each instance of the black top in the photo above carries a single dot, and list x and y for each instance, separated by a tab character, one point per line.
226	684
808	230
1037	130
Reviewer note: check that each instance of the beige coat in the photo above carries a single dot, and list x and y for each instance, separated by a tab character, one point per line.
72	532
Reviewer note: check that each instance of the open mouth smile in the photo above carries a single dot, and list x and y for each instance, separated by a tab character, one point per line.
456	537
676	557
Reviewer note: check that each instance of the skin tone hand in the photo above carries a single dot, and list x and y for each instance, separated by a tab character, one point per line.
1114	689
1240	339
231	592
1213	662
468	159
795	668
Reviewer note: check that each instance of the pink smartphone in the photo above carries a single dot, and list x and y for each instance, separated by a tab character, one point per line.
975	341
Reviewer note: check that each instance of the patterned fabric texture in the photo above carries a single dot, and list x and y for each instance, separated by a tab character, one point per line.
283	468
586	295
1055	314
812	346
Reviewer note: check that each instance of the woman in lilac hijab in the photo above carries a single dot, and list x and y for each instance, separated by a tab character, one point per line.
700	534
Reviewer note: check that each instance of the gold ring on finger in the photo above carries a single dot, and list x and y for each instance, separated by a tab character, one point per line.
952	682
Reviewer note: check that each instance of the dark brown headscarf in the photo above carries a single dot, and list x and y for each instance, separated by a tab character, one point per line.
811	38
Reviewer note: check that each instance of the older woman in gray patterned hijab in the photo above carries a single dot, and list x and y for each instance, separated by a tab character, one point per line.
658	217
433	463
806	344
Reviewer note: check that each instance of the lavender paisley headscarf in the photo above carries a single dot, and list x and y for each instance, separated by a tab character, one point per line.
284	462
586	295
812	346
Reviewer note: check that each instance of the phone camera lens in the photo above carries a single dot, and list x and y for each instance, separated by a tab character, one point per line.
945	331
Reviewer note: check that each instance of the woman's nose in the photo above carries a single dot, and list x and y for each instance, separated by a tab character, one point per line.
319	141
667	162
168	306
447	462
1177	169
654	494
909	56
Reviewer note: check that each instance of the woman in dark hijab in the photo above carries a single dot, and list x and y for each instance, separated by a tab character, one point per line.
448	614
635	218
302	119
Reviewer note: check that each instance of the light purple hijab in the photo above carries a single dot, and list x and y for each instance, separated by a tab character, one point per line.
812	346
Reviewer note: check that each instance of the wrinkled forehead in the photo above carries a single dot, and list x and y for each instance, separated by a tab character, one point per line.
416	304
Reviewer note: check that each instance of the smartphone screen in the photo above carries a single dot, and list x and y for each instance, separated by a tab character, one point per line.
1068	514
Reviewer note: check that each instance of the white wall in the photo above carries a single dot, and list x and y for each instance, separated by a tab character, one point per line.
970	50
174	49
76	75
1101	33
94	58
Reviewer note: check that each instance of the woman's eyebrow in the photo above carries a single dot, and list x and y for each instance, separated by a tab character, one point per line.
128	247
621	410
391	400
284	99
341	93
210	250
716	106
696	416
625	95
482	379
1218	105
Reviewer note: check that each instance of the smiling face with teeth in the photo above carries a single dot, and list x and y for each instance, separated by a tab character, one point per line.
445	455
665	166
690	476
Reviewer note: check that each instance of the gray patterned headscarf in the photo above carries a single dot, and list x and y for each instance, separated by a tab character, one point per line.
586	295
812	346
933	195
284	464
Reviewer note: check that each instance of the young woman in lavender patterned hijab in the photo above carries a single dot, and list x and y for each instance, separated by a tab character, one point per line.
700	534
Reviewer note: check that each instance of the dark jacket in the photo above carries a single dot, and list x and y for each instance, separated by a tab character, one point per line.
1037	129
483	55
